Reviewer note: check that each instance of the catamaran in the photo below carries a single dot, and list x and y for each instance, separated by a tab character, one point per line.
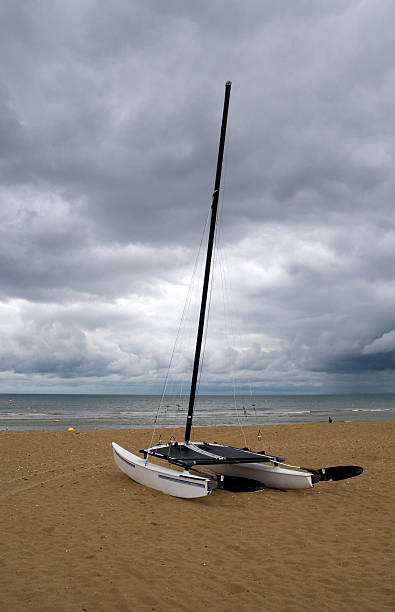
230	468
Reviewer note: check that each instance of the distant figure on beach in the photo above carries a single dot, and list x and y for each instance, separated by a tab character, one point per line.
330	420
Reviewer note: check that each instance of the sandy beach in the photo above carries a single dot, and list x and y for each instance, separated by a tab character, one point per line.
77	534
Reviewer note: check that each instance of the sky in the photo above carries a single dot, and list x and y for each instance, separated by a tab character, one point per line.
109	128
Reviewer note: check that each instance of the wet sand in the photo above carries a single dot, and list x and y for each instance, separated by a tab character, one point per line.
77	534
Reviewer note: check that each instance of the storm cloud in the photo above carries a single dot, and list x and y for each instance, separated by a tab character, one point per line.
109	125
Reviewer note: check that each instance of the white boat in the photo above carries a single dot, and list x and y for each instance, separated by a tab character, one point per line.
272	476
240	474
231	468
178	484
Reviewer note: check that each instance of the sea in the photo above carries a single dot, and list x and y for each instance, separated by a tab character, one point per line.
19	411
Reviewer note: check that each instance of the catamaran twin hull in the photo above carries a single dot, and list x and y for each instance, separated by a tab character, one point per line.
234	463
233	469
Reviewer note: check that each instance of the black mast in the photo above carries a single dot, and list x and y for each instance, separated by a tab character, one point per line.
206	281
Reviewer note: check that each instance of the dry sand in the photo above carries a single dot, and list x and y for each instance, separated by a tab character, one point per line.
77	534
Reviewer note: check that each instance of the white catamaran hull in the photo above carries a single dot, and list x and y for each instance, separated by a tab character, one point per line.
272	476
178	484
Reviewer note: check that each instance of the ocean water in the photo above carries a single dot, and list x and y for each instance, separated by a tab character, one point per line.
50	412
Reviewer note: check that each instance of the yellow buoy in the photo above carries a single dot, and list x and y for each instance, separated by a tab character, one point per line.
57	420
71	429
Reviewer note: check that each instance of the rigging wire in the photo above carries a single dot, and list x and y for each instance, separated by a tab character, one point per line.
204	322
207	319
226	288
217	264
181	323
216	251
229	333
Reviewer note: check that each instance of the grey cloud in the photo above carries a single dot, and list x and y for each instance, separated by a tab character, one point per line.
109	121
357	364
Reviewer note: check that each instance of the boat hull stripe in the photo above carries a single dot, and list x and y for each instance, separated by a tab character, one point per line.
194	484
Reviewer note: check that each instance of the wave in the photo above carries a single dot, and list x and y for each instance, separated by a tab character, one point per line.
373	410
